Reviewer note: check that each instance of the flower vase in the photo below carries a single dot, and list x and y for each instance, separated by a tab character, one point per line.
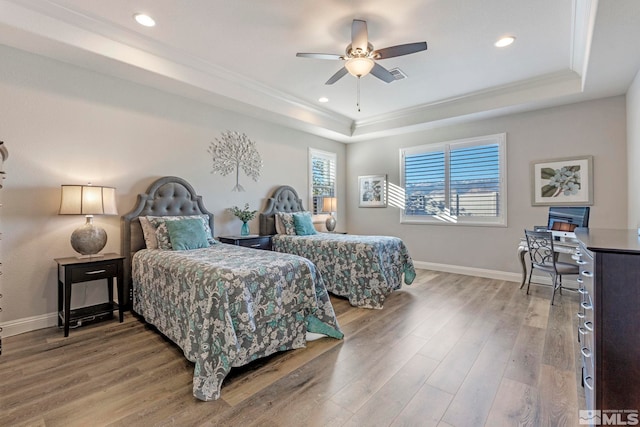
244	231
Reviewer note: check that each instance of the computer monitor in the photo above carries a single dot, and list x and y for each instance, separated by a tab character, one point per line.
563	220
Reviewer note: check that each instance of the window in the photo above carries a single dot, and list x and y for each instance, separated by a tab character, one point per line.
457	182
322	177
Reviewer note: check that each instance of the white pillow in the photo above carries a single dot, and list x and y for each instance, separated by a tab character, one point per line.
149	232
279	225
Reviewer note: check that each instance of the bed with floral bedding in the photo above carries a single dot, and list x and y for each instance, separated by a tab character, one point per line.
364	269
223	305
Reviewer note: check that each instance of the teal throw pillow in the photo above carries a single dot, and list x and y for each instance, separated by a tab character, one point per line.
303	224
187	234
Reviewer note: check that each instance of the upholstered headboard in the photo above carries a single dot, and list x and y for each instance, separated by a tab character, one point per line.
284	199
166	196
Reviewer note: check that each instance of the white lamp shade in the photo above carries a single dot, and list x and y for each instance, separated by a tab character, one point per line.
88	200
329	204
359	67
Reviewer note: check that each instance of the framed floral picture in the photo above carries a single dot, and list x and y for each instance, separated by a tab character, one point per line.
372	191
567	182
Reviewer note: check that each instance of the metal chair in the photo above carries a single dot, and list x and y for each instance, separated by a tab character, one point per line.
544	258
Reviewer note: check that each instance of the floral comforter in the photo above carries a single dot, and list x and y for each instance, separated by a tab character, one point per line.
365	269
226	305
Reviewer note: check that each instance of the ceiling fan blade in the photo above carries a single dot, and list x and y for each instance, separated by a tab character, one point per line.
319	56
399	50
337	76
359	35
382	73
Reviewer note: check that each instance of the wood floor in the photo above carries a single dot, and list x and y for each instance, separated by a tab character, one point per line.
449	350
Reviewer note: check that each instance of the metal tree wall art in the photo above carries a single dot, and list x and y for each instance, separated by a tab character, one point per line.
232	152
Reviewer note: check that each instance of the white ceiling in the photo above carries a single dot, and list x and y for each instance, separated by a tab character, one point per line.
241	54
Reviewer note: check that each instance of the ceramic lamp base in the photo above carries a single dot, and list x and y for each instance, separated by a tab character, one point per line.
330	223
88	239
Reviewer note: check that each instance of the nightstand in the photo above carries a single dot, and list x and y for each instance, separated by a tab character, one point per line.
250	241
74	270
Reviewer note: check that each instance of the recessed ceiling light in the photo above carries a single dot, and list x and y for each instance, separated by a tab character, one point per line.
145	20
323	99
505	41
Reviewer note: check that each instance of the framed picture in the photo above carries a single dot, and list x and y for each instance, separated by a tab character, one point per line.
372	191
566	182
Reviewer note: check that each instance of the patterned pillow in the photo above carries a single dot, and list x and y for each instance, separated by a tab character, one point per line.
162	234
286	220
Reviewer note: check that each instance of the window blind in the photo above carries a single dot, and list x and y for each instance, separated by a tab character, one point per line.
455	182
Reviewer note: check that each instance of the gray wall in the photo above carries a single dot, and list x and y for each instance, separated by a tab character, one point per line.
596	127
65	125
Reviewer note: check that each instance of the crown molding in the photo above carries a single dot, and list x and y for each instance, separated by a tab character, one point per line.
552	85
584	20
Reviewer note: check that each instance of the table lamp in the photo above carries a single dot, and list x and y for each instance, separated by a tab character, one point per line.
329	204
88	200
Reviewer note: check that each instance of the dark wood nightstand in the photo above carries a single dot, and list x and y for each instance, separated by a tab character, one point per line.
250	241
76	270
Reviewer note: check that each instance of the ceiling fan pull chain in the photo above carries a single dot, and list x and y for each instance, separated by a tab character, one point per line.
358	90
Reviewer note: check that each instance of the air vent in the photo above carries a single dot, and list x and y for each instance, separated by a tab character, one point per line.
398	74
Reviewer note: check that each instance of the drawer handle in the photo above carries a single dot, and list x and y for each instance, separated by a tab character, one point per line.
581	262
95	272
588	326
579	280
586	382
580	315
587	274
586	305
256	245
586	352
582	331
583	291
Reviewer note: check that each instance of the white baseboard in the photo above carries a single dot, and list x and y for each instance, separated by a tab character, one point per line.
489	274
470	271
28	324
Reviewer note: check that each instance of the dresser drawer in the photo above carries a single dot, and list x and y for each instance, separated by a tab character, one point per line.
586	324
85	274
255	242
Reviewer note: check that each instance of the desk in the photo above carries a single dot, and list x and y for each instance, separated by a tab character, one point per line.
568	246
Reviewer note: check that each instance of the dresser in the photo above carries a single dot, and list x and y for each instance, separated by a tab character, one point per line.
609	322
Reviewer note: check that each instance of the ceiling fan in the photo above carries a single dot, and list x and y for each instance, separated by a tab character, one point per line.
361	58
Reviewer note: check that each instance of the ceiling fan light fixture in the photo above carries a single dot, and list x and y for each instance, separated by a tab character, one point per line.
359	66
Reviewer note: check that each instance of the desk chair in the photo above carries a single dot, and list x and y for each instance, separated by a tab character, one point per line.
543	257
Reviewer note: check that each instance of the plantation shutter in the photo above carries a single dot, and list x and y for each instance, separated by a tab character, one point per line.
323	178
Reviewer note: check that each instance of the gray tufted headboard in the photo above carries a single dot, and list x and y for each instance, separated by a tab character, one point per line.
166	196
284	199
